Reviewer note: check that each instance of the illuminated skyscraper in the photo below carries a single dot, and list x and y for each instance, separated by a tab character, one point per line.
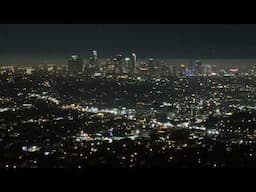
75	64
134	64
108	67
151	62
194	67
95	55
119	64
151	66
127	64
93	63
206	69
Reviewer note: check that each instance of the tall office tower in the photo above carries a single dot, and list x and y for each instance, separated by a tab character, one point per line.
108	67
96	62
194	67
115	64
206	69
95	54
151	66
93	63
118	62
134	64
75	64
127	64
191	68
143	68
198	66
180	70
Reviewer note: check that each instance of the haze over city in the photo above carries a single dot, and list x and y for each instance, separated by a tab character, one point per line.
127	96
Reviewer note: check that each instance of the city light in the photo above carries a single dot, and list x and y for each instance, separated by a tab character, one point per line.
128	109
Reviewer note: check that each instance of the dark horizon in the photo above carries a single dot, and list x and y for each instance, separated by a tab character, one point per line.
35	43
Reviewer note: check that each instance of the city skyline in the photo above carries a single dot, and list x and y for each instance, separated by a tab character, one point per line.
241	63
42	42
127	96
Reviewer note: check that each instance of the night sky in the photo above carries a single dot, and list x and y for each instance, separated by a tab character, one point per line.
30	43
